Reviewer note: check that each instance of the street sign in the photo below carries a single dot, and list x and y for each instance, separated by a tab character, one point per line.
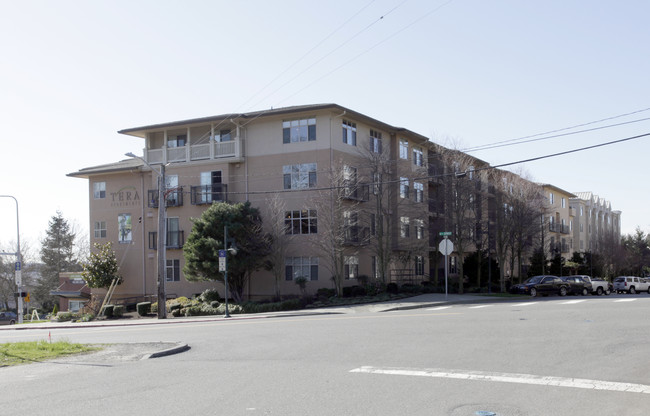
17	266
222	254
444	233
446	247
222	264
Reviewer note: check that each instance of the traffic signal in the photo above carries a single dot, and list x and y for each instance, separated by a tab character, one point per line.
27	297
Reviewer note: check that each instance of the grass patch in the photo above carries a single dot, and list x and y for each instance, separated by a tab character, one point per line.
16	353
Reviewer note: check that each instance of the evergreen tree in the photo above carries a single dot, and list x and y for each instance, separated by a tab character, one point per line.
201	250
57	255
101	268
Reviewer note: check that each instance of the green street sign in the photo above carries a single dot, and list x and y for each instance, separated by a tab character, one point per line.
444	233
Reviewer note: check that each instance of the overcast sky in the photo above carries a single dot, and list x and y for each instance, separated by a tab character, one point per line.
464	73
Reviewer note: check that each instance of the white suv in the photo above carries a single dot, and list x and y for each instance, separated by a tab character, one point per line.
631	284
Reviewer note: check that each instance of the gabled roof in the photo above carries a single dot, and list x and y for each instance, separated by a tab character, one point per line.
121	166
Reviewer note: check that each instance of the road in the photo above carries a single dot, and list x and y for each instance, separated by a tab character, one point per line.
524	357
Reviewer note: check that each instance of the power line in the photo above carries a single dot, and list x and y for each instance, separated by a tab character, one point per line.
499	143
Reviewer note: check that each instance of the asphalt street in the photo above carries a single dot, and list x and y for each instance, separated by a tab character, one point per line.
543	356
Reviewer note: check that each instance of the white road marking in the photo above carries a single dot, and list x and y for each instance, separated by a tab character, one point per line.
572	302
525	304
510	378
439	308
624	300
480	306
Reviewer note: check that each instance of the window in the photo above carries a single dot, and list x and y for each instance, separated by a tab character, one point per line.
419	229
375	267
418	159
299	176
376	183
581	211
295	267
301	222
177	141
404	227
173	233
211	189
100	229
75	305
350	181
582	229
351	228
124	222
419	265
375	141
418	189
403	187
403	149
373	224
470	171
551	198
223	136
171	188
173	271
99	190
563	202
351	267
349	133
299	130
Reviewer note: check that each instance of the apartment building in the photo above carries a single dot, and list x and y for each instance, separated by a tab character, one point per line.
595	222
559	220
298	153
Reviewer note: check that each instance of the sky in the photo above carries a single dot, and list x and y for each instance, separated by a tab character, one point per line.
465	73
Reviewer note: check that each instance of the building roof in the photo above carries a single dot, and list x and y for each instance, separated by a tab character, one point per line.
548	185
140	131
121	166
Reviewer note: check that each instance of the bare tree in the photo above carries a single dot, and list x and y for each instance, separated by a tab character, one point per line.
278	231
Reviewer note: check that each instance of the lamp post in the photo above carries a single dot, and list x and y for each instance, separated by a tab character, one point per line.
162	233
233	250
19	263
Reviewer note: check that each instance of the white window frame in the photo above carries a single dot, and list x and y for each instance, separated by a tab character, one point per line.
404	227
173	270
99	190
303	221
295	267
404	187
351	267
418	156
300	176
403	149
300	130
349	132
418	190
100	229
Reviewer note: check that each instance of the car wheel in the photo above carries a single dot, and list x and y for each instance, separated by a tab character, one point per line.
649	291
608	292
599	291
12	322
562	291
632	290
585	292
533	292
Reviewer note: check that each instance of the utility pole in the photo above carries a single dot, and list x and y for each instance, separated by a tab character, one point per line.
162	244
19	264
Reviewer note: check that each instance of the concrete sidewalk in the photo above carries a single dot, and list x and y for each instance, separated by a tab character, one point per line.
420	301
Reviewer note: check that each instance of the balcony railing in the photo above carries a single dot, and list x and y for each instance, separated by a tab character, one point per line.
175	239
355	235
229	150
357	192
174	198
207	194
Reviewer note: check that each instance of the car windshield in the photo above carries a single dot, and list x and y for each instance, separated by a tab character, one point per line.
534	279
619	279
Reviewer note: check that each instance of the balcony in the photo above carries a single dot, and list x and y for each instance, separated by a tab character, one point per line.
175	240
355	235
228	151
174	198
356	192
207	194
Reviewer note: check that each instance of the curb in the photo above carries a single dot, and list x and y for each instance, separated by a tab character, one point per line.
169	351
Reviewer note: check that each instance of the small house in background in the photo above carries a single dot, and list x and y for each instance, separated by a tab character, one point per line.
73	292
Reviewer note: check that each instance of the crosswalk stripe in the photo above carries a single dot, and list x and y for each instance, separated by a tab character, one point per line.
624	300
480	306
572	302
525	304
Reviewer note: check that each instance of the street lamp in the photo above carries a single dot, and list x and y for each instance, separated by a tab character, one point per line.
162	233
233	250
19	261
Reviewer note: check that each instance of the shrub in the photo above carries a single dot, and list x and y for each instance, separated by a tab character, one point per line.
174	306
87	317
55	310
410	288
143	308
65	317
177	312
357	291
153	308
375	288
392	288
215	303
210	295
325	293
108	310
118	311
347	292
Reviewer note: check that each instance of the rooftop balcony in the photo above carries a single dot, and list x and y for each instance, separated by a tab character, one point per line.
227	151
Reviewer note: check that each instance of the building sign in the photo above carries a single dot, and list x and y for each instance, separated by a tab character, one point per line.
125	197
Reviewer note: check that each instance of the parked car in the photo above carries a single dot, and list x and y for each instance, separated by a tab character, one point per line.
631	284
541	285
577	285
8	318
